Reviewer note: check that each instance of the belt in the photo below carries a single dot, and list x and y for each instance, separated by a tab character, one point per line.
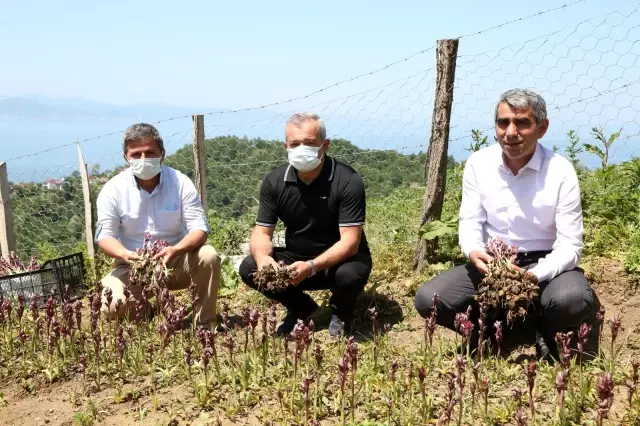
532	256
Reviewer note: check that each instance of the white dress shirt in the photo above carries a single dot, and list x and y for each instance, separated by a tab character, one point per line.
127	212
537	209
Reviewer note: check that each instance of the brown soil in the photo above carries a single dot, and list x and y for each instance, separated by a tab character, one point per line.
616	294
61	403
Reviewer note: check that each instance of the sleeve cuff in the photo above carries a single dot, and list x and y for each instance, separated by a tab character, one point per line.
268	225
342	225
102	233
541	272
199	227
466	250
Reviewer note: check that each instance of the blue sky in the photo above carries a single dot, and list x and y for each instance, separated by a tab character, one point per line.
204	55
213	54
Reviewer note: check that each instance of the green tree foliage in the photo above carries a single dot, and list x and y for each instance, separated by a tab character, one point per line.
47	217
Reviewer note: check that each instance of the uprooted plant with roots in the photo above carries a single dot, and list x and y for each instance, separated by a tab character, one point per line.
150	272
505	286
151	275
273	279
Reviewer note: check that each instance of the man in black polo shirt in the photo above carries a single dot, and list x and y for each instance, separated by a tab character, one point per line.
321	203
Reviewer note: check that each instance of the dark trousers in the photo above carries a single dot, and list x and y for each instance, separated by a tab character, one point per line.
345	281
563	303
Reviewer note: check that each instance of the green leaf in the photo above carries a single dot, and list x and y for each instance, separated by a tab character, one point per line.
226	291
436	229
594	150
613	137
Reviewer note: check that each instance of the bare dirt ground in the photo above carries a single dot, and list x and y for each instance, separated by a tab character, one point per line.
62	404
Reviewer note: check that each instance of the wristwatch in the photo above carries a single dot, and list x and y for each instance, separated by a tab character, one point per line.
313	268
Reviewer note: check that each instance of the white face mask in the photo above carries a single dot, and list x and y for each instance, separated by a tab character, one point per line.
304	158
145	169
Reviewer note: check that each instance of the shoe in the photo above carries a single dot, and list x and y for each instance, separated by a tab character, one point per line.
220	326
187	323
340	323
545	350
337	327
292	317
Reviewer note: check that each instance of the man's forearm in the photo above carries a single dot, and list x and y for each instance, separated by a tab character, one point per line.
191	241
337	253
558	261
112	247
260	246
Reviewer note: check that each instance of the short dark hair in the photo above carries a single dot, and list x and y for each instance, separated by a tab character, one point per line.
522	99
139	131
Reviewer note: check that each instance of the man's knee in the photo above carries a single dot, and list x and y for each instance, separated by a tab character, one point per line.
455	289
578	301
247	267
112	298
208	256
424	299
571	296
352	275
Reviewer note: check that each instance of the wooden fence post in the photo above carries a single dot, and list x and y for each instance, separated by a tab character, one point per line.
436	162
199	160
7	238
88	216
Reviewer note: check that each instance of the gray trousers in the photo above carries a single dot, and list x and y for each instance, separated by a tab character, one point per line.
563	303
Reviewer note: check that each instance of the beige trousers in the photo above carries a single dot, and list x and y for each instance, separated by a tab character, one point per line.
202	266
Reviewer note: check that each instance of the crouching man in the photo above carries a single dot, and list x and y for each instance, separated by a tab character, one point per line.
149	197
524	193
321	203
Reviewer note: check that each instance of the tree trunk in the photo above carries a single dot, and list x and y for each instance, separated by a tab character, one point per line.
437	152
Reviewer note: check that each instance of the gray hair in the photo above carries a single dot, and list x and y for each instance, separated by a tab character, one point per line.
521	99
139	131
300	117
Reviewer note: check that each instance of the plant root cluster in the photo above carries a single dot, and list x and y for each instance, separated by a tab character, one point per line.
504	286
270	278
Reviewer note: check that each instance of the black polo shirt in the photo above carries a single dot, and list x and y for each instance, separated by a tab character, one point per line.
313	214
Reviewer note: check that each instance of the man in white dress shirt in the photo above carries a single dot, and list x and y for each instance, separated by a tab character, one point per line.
529	196
149	197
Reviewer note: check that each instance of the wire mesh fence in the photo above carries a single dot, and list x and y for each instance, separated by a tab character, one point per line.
588	74
47	200
379	123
